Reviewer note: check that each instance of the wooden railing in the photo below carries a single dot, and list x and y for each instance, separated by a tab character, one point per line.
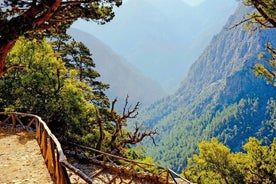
50	147
58	165
139	171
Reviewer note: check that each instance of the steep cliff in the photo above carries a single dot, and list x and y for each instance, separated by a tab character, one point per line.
220	97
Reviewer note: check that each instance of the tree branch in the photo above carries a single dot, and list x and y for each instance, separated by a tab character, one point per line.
137	136
258	5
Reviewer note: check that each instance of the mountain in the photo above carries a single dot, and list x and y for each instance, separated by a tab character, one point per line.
123	78
220	97
162	38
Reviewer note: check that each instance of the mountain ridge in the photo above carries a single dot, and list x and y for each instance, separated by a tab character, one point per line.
220	97
161	42
123	78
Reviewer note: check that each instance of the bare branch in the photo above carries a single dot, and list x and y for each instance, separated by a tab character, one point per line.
239	23
125	106
15	66
131	113
118	139
136	137
271	49
101	128
112	109
255	17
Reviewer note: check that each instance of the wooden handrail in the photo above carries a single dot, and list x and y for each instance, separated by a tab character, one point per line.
57	164
51	150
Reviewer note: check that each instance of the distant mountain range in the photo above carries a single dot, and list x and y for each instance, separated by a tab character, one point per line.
123	78
162	38
220	97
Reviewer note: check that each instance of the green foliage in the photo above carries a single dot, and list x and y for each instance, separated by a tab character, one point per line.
267	70
260	165
47	88
212	165
77	56
216	164
65	94
261	70
187	127
264	13
137	152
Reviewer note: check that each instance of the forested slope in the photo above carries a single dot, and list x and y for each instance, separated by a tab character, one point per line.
220	98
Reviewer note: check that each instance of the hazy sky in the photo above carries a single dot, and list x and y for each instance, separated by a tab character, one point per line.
190	2
193	2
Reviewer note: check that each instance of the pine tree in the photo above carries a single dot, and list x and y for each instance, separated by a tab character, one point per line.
77	56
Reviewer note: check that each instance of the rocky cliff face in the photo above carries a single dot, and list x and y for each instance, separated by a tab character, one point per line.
220	98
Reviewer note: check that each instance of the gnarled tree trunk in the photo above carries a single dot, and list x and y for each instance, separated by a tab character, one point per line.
30	21
5	47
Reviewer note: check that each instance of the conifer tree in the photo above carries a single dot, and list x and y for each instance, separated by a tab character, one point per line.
77	56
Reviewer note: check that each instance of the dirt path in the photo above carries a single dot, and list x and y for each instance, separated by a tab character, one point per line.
20	159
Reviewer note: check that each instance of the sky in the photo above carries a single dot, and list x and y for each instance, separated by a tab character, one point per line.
190	2
193	2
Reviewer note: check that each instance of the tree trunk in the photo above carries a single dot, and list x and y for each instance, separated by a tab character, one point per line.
5	47
30	21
